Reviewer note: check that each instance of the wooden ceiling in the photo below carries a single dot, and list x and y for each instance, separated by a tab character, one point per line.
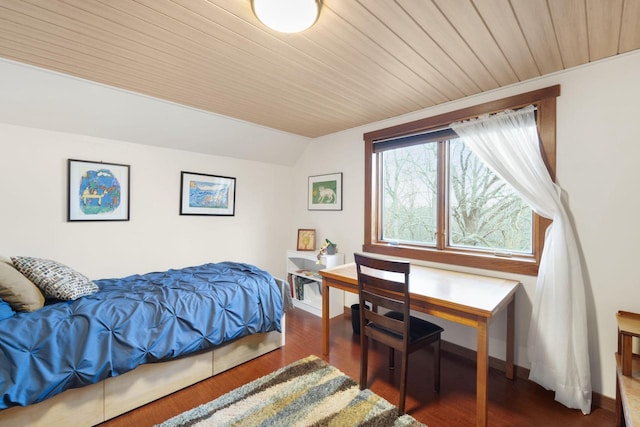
363	61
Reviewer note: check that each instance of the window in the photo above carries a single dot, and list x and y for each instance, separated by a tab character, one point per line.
482	212
428	197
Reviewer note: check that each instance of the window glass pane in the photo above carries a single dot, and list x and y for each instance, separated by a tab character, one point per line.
484	211
410	194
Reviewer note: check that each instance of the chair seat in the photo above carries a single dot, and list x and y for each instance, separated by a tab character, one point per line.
419	329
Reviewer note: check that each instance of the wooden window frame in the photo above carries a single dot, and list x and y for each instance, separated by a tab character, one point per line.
545	102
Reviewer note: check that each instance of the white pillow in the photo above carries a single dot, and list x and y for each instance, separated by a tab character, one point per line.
55	280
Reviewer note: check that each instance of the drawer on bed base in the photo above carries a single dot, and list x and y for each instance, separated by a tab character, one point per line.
250	347
83	405
153	381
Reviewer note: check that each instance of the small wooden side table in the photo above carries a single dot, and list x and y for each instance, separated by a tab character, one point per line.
628	327
627	371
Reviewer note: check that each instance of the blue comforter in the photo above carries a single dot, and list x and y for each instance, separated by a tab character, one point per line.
130	321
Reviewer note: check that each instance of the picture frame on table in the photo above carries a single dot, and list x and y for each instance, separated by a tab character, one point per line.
325	192
203	194
97	191
306	239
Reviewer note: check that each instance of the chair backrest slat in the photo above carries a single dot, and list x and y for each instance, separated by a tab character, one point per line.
383	284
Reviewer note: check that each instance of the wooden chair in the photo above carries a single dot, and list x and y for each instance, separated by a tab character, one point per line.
385	284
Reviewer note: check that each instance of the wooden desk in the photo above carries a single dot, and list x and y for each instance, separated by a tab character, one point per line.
468	299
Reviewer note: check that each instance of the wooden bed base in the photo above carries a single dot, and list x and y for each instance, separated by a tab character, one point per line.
93	404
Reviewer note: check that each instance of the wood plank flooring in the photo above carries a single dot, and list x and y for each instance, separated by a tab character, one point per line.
511	403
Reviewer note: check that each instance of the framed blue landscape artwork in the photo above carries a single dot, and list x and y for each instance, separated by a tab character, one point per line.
97	191
202	194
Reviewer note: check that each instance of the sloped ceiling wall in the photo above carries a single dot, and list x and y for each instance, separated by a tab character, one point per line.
44	99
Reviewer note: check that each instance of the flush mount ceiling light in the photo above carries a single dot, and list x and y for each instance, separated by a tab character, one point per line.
287	16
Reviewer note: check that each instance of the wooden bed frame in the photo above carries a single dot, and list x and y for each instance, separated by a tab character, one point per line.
93	404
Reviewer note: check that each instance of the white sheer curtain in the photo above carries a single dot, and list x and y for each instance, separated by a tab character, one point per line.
558	341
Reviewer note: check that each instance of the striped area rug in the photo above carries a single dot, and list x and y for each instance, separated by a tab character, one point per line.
309	392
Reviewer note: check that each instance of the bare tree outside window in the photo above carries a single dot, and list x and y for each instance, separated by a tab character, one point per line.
410	196
483	212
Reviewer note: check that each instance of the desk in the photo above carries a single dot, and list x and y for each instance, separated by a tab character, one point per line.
468	299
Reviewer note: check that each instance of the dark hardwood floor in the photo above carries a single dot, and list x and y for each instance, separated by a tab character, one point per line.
511	403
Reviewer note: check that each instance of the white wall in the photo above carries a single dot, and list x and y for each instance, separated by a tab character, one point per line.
33	212
598	152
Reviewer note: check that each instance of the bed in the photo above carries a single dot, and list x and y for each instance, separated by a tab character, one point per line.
132	340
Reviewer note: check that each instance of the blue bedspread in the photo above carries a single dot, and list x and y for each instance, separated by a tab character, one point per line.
130	321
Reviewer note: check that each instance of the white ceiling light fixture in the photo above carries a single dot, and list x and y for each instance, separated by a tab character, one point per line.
287	16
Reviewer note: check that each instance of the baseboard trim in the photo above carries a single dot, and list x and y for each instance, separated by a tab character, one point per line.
597	400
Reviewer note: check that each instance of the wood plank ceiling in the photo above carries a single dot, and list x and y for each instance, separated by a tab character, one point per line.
363	61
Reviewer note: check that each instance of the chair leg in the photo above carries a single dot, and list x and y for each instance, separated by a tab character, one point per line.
364	344
436	365
392	363
403	382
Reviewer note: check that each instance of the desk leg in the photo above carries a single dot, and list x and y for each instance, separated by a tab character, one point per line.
627	354
619	411
325	318
511	320
482	373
